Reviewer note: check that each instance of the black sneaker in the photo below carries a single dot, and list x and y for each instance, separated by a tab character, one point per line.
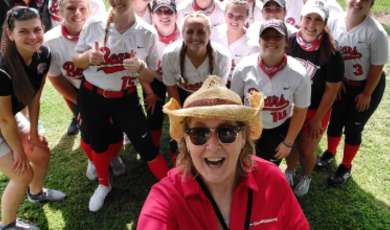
46	195
18	225
341	176
324	159
73	128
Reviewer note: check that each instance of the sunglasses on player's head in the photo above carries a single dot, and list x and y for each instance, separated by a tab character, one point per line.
17	13
226	134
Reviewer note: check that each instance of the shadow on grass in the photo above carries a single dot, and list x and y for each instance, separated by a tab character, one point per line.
344	207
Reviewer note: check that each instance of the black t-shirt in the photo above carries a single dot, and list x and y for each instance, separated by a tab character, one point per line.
38	68
40	5
332	72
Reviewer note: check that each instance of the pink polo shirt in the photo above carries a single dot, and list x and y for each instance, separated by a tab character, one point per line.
176	204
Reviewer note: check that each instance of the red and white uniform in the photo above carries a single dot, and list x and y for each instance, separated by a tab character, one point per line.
363	46
147	17
111	75
97	8
254	32
217	17
62	47
289	85
255	14
193	77
294	11
238	50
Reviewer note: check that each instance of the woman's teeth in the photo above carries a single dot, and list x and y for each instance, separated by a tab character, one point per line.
214	162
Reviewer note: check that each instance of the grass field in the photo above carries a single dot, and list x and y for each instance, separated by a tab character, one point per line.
362	203
379	6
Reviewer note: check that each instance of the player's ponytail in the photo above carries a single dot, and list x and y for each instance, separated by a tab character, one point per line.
328	46
253	10
22	87
183	52
150	12
109	20
210	52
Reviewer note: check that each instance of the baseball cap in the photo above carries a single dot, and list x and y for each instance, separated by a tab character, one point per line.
281	3
278	25
171	4
319	7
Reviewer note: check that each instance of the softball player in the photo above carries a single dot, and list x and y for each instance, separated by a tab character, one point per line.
115	51
214	9
164	15
96	7
314	48
187	64
232	35
271	9
283	81
364	45
143	9
255	14
24	154
66	77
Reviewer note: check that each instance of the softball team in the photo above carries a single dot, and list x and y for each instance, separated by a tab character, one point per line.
283	81
364	45
314	48
24	153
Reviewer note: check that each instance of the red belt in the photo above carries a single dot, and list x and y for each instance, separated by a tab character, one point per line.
108	93
352	83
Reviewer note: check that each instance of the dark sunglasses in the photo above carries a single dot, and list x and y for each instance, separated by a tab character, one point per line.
17	13
226	134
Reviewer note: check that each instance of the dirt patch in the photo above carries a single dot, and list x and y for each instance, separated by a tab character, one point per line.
383	17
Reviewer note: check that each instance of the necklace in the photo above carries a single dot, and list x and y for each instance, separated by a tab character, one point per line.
124	27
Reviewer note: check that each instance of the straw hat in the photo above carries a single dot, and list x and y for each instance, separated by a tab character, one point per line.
214	101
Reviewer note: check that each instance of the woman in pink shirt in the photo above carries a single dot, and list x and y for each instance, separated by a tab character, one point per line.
218	183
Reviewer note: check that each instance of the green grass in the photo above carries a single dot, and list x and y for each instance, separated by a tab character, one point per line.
379	6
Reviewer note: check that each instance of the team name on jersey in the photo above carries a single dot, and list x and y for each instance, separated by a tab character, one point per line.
292	22
159	67
190	87
311	69
112	60
72	70
54	9
350	53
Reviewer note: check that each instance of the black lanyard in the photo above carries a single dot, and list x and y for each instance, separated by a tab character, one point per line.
216	209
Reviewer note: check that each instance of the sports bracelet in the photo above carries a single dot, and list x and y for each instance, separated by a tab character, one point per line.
142	70
288	143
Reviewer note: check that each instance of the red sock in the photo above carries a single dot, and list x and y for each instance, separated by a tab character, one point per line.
102	163
349	153
333	142
173	158
156	135
114	149
87	149
159	167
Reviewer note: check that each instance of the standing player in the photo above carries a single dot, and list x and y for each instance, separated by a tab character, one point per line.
96	6
365	50
232	35
24	154
314	48
275	9
143	9
164	16
214	9
66	77
187	64
114	52
283	81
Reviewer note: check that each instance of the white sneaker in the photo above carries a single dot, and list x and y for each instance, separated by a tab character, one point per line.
117	165
302	186
289	176
97	200
91	171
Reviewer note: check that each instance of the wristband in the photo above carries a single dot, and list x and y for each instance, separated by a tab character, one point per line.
142	70
288	143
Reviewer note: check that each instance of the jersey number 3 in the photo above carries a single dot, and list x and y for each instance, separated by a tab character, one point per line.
358	69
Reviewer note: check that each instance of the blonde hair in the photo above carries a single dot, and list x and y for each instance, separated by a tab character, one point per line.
183	50
241	3
245	163
61	4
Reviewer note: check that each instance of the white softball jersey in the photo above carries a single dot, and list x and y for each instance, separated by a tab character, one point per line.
238	50
255	14
160	50
217	17
363	46
288	86
254	32
110	74
97	8
147	17
61	57
193	77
